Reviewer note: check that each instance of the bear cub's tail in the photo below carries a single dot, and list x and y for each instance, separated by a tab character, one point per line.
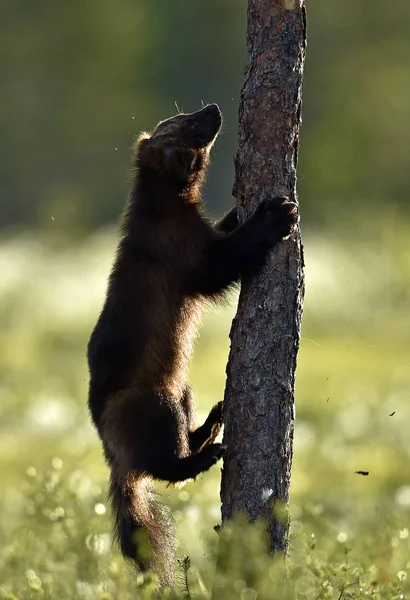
143	526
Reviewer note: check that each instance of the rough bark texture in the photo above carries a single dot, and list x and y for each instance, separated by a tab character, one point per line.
259	396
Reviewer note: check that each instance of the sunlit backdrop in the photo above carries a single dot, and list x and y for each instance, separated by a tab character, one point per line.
79	80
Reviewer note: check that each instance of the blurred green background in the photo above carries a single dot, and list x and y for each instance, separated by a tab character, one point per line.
79	80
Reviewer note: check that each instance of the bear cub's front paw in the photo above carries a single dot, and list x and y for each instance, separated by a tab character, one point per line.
281	215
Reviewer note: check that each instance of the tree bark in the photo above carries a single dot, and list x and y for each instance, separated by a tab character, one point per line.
259	395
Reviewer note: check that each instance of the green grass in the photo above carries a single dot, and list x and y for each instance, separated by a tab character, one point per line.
353	374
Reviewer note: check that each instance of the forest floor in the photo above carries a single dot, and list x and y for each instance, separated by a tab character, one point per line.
350	532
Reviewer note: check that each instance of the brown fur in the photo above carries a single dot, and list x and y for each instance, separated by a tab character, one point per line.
169	260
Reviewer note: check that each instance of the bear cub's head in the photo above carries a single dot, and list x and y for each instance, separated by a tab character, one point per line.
179	147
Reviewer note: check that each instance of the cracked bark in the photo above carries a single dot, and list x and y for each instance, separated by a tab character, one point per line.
259	395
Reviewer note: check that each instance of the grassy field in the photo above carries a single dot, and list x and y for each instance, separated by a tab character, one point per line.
350	533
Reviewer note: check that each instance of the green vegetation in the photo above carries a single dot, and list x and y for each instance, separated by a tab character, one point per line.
79	80
352	410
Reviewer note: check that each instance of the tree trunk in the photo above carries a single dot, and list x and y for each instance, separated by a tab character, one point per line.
259	395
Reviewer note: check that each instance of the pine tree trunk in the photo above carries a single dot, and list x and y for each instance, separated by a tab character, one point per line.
259	395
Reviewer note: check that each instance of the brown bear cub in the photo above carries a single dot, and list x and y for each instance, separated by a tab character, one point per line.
170	259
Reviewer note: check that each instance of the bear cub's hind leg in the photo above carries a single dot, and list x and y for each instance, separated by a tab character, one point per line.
207	433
